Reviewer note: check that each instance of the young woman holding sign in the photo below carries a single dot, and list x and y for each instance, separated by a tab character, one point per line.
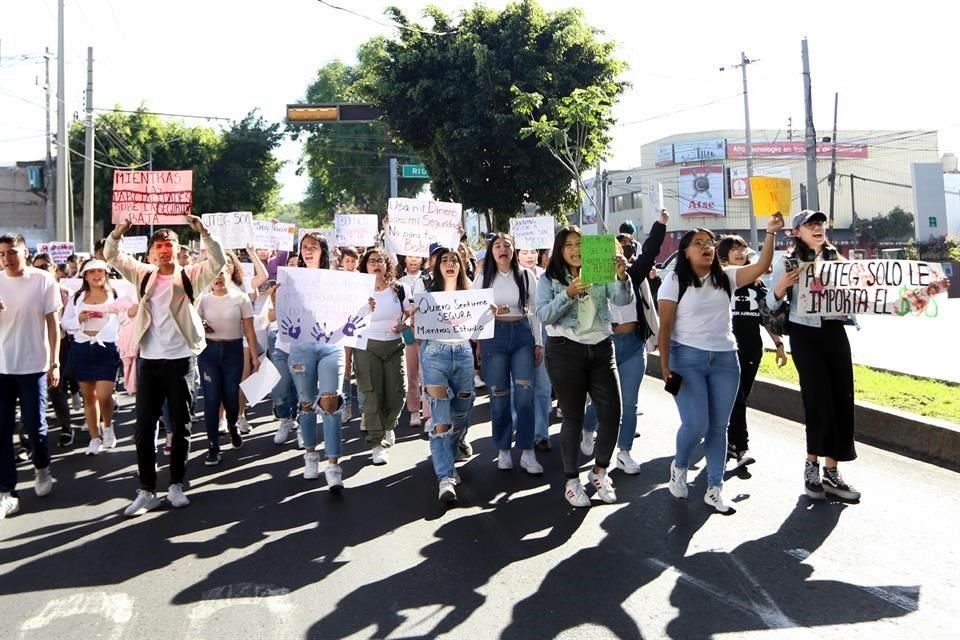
447	366
317	372
410	274
513	352
580	357
821	353
698	351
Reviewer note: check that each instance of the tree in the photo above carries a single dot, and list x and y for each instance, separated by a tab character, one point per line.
244	174
896	224
449	97
348	164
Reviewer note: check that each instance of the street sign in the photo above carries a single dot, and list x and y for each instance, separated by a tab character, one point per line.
414	171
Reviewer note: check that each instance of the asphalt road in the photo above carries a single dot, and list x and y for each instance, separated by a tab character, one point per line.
262	553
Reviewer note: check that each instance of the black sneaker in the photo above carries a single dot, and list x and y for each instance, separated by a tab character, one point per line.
834	485
212	459
236	440
811	481
66	438
741	458
464	451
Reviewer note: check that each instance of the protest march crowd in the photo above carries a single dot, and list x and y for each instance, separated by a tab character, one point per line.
177	321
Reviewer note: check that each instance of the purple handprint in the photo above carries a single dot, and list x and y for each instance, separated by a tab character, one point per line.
289	328
320	333
351	326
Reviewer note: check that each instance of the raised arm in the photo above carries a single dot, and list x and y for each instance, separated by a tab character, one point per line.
204	273
644	262
126	264
750	272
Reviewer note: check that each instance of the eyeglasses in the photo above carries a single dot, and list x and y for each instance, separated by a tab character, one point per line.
376	261
814	224
704	244
40	265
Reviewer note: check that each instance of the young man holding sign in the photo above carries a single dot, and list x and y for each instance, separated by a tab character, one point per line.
171	336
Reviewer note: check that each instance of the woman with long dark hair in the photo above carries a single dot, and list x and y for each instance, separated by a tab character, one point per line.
447	367
698	351
513	352
821	352
580	357
410	275
745	307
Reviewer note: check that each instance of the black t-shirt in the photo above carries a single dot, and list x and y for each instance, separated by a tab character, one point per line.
745	308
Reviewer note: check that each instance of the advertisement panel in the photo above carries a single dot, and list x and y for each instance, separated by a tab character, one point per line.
795	149
699	151
702	191
664	155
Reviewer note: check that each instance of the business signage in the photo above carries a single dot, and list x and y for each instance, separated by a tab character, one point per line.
795	149
699	151
664	155
702	191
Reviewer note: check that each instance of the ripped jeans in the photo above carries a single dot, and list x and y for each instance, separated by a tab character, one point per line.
509	354
449	366
317	370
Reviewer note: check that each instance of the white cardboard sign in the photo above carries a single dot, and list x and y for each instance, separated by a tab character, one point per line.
234	230
356	230
325	306
446	315
532	233
134	244
413	225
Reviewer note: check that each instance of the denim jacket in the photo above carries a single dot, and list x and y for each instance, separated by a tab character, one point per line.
555	307
779	268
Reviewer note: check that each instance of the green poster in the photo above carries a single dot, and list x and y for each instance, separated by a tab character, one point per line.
598	259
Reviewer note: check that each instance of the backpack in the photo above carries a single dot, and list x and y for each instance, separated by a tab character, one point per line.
185	281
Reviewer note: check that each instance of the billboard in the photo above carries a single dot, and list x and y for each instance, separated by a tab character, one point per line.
664	155
795	149
699	151
702	191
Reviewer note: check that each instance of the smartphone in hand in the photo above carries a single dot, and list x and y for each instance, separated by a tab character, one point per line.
673	383
266	286
791	264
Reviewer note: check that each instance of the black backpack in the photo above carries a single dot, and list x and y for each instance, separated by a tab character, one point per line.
187	286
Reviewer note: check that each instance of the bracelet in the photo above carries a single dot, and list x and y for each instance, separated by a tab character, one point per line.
771	233
779	344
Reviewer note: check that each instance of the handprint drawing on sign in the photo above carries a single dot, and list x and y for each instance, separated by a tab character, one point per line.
352	324
320	333
290	329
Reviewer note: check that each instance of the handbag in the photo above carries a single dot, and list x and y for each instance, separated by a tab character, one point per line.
776	321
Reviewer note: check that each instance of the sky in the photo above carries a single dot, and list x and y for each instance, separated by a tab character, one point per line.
892	68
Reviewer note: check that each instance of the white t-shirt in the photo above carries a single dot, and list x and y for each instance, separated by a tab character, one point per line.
386	315
27	299
506	292
163	340
703	317
225	314
626	313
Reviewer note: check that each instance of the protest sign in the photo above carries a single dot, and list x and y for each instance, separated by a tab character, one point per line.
881	287
274	235
152	197
413	225
532	233
598	259
259	384
448	315
770	195
59	251
234	230
325	306
134	244
356	230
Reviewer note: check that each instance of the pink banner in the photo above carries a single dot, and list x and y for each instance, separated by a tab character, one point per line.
152	197
795	149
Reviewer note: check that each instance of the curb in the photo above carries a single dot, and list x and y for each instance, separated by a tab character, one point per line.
926	439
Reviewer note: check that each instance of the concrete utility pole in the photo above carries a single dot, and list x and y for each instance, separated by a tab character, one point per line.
393	178
88	160
744	61
63	230
833	157
49	181
813	188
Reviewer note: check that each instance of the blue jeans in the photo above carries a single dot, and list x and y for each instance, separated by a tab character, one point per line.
449	366
631	364
221	368
284	394
509	353
542	403
31	389
705	400
317	370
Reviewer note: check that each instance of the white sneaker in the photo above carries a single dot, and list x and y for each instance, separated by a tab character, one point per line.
415	420
678	481
363	423
478	382
243	426
283	431
390	438
712	497
334	475
94	447
145	501
448	490
223	425
9	505
109	437
44	481
575	494
456	477
587	440
311	465
176	497
76	401
528	462
603	484
626	462
380	456
346	415
504	461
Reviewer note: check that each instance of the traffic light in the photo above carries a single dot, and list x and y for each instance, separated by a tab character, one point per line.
326	113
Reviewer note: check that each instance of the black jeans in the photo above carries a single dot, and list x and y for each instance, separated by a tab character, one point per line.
822	356
159	381
749	354
577	369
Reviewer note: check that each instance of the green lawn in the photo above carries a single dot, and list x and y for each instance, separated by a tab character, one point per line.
922	396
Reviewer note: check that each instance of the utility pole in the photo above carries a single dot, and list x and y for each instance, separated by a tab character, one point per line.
393	178
49	169
63	232
790	128
813	188
603	202
833	157
744	61
88	160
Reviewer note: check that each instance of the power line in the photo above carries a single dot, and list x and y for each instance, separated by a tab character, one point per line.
383	23
169	115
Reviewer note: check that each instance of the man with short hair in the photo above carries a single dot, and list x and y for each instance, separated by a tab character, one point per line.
170	333
184	256
29	362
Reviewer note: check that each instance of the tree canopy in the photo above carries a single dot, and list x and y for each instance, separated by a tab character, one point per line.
451	98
